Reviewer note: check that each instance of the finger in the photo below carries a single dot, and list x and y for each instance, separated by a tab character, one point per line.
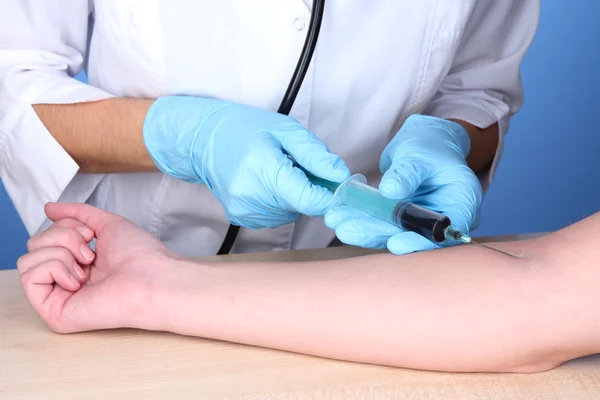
366	232
337	215
457	196
92	217
313	155
403	178
63	237
371	233
295	189
409	242
84	231
30	260
38	282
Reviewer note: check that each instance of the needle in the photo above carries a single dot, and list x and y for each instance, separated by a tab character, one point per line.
494	249
461	237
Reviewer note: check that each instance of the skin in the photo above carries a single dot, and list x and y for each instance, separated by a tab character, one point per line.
106	136
463	309
101	136
484	143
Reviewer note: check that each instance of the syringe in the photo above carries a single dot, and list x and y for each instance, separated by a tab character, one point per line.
355	193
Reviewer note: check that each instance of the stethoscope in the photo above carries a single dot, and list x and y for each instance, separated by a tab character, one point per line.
316	17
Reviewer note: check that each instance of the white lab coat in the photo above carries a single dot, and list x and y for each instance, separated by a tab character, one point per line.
376	63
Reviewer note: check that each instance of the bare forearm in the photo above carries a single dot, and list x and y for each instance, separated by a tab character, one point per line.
436	312
459	309
103	136
484	143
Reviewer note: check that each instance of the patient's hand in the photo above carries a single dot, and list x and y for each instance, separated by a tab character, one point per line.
73	289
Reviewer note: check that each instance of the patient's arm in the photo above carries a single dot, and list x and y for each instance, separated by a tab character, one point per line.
457	309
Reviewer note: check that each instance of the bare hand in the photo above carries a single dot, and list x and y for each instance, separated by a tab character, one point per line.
75	290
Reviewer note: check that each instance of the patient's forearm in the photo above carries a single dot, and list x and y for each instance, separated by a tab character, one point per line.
459	309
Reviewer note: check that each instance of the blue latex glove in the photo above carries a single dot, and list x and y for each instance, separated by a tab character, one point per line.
238	152
426	164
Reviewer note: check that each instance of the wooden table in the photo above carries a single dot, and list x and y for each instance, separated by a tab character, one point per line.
127	364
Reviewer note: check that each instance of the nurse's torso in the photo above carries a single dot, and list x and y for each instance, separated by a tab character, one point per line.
376	63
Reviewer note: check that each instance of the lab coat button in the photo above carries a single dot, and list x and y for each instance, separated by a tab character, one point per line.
299	24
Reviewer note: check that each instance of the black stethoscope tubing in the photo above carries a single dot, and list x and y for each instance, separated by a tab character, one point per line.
291	93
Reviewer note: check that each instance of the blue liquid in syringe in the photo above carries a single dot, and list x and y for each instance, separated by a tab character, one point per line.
369	200
355	193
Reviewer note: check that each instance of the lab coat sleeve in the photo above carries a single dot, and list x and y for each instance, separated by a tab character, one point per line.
483	85
42	46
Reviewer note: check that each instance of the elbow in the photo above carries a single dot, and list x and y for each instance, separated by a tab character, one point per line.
523	364
507	361
522	361
498	367
531	368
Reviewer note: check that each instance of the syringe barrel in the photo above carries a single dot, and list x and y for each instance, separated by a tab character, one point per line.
357	194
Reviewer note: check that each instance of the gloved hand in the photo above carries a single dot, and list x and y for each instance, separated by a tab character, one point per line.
426	164
237	151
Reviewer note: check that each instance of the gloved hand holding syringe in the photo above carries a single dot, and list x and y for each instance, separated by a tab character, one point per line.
355	193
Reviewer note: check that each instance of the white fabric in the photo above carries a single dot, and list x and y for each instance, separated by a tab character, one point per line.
377	62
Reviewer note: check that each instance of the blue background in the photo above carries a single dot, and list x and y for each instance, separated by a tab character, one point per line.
548	175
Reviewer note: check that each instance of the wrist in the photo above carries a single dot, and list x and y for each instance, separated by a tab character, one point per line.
172	295
176	130
484	145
